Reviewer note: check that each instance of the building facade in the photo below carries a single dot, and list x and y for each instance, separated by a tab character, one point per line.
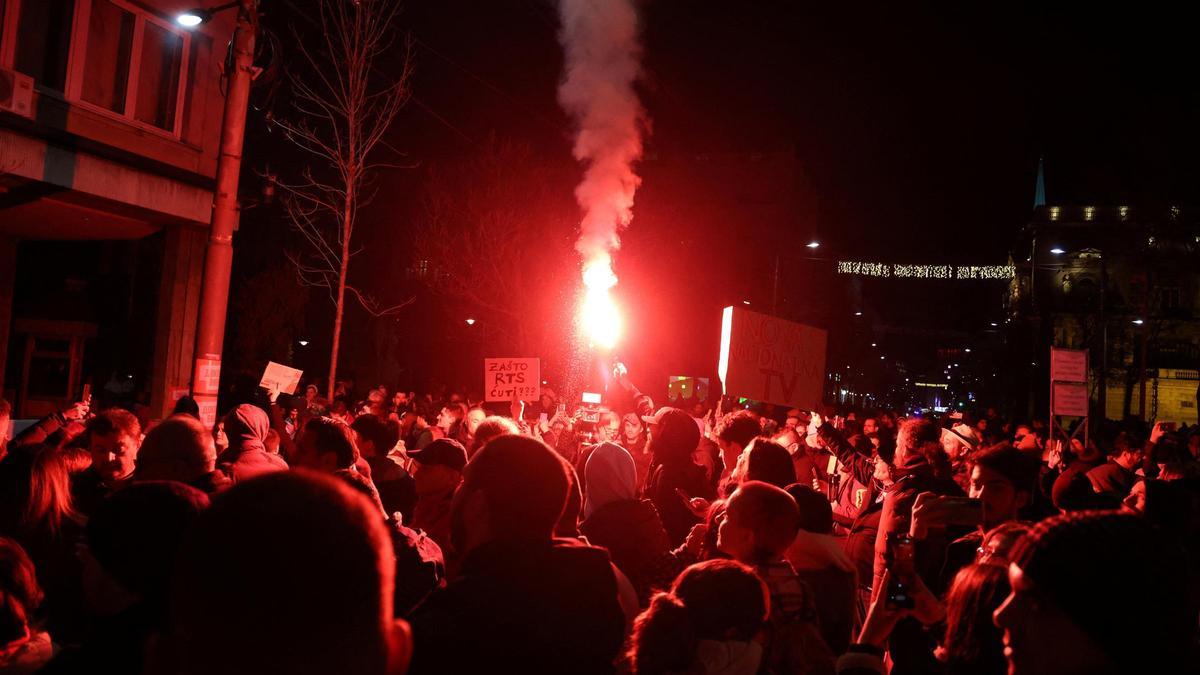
1123	283
109	125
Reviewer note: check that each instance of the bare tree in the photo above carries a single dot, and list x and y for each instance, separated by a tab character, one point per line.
494	236
345	106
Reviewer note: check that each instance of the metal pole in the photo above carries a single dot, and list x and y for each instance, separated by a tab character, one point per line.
218	259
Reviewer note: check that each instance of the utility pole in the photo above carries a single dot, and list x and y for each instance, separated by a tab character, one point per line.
218	259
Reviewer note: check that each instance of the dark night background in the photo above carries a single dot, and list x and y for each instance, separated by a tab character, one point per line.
904	133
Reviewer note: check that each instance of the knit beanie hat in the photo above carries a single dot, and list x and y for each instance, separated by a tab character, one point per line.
1073	558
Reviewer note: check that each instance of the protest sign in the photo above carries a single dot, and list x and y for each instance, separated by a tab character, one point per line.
768	359
505	378
281	377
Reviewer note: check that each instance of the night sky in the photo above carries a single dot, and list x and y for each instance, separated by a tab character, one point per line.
898	132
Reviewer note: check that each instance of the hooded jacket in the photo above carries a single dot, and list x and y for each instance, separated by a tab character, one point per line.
247	456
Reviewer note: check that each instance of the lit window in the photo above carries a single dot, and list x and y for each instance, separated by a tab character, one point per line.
1054	211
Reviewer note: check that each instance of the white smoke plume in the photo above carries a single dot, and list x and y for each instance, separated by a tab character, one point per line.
602	62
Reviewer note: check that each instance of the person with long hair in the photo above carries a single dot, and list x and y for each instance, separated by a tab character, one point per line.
973	644
24	647
710	622
48	527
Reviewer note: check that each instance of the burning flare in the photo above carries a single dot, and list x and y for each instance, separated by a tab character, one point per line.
602	62
598	315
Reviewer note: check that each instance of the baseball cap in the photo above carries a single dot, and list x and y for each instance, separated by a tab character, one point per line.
443	451
663	413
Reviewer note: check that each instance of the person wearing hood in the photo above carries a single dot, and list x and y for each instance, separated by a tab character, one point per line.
674	477
615	519
247	456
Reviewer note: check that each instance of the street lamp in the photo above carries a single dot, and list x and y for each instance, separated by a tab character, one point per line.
218	259
813	244
1138	322
199	15
1057	250
303	343
470	322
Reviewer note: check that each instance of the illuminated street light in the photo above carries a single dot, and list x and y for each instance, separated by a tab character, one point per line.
745	302
1138	322
198	16
813	244
470	322
858	314
1057	251
303	343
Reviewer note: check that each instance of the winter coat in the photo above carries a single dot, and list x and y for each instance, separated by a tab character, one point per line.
523	605
247	456
637	542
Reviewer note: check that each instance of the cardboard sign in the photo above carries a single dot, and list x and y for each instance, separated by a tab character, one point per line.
281	377
1068	365
504	378
1069	398
768	359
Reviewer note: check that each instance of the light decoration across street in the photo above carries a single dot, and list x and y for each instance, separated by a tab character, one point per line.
876	269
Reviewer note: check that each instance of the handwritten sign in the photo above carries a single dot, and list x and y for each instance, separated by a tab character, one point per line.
281	377
768	359
504	378
1068	365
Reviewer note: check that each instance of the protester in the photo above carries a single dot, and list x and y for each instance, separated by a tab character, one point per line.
708	623
734	435
674	478
972	644
246	457
924	471
615	519
180	449
759	525
770	463
326	605
1115	478
824	567
523	601
438	471
490	428
375	437
1056	620
24	646
113	439
1003	480
130	545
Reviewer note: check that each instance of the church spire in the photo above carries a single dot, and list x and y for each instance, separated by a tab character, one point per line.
1039	190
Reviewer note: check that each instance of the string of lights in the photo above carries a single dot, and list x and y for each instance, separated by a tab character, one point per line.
876	269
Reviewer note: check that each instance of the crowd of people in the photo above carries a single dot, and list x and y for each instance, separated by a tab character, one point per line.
390	533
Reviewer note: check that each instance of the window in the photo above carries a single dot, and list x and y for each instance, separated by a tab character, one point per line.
109	56
43	39
131	63
158	79
106	65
